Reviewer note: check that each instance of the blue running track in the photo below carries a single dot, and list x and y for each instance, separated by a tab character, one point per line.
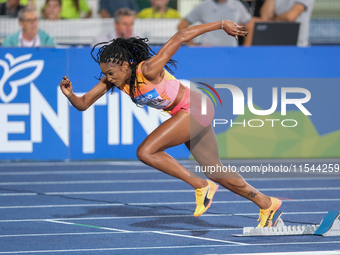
129	208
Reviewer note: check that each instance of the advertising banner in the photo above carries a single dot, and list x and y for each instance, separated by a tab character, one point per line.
38	123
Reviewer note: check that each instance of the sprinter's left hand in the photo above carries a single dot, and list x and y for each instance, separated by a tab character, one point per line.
233	29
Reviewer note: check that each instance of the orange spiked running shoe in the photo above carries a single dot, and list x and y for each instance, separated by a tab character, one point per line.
266	215
204	197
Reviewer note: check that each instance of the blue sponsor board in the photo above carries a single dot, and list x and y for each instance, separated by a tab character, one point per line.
38	123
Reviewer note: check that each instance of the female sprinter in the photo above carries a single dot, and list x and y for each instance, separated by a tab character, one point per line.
131	66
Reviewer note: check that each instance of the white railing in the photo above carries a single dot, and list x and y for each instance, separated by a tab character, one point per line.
83	31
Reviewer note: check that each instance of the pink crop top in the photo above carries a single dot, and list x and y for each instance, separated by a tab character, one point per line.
158	96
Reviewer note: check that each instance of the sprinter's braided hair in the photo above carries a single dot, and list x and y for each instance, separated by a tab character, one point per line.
133	50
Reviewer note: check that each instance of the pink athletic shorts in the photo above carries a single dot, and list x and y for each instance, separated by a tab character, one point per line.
191	102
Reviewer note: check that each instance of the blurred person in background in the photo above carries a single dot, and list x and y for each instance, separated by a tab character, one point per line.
29	3
255	6
124	19
75	9
29	35
51	10
215	10
10	8
159	9
107	8
290	10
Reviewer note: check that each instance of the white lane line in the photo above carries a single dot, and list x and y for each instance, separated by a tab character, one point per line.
155	232
201	238
83	163
158	191
83	225
80	164
293	253
110	232
99	192
141	171
156	204
170	180
17	194
88	182
298	189
155	216
168	247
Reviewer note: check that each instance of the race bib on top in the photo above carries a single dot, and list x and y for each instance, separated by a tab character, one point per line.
152	99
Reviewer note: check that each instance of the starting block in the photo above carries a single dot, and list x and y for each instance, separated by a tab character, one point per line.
329	226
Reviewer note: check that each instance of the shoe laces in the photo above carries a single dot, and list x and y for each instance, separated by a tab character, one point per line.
199	195
263	216
198	192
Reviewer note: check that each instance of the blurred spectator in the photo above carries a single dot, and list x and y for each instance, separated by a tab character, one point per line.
51	10
290	10
75	9
11	8
159	9
256	6
107	8
29	35
29	3
124	19
217	10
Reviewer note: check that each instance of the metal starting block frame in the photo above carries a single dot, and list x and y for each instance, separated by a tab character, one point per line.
329	226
